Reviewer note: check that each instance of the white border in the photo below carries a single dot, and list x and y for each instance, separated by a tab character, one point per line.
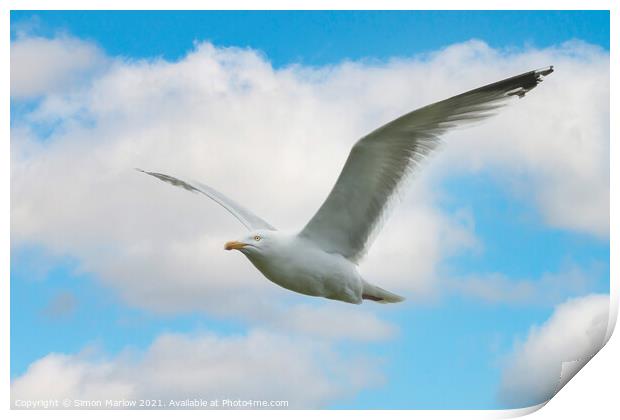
593	392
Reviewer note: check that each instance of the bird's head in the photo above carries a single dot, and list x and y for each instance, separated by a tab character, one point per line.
257	242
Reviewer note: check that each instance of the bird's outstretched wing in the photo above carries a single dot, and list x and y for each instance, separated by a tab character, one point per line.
379	162
246	217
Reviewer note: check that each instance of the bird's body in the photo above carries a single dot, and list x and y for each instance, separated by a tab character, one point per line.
313	272
321	259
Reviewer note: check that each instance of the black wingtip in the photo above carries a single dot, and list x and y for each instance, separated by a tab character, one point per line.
544	71
527	81
513	86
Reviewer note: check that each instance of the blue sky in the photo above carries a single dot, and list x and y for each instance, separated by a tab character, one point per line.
318	38
448	352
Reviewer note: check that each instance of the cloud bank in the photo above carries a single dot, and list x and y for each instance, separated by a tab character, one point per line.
257	366
555	351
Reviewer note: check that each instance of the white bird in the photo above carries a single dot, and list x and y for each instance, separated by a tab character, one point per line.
321	259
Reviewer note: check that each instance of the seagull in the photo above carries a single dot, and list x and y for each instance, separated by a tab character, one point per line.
321	259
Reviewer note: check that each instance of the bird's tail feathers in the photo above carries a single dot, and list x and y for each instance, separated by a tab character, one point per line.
379	295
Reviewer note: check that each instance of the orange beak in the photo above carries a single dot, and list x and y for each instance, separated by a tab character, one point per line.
228	246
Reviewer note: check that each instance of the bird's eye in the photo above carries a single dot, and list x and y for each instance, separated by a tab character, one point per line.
257	238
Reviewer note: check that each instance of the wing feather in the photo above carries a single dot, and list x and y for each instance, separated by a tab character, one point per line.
380	161
246	217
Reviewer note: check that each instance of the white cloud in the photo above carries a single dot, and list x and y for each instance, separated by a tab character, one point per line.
552	147
406	254
332	321
275	140
257	366
535	371
40	66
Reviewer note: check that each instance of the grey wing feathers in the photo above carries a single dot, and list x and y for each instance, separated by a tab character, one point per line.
378	163
247	218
